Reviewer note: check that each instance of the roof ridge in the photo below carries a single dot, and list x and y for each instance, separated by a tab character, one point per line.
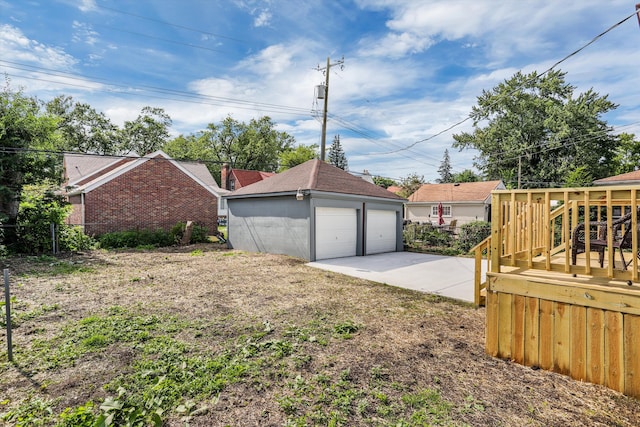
313	177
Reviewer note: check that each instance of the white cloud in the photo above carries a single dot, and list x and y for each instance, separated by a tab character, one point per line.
84	33
263	18
87	5
15	46
270	61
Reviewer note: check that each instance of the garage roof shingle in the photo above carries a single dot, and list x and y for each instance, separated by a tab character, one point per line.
315	175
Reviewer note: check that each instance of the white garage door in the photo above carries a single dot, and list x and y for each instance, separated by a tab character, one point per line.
336	232
381	231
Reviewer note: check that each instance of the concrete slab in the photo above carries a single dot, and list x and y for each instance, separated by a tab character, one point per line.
442	275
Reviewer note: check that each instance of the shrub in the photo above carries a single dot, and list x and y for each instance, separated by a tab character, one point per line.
135	238
199	234
152	238
473	233
73	239
39	208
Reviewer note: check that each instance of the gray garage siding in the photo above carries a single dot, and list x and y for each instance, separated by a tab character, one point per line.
278	225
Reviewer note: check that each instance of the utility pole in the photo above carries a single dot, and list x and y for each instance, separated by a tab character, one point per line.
326	71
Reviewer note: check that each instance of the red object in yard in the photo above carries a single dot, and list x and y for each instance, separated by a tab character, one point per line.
440	218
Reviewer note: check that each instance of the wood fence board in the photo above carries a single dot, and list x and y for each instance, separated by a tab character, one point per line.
614	351
546	335
518	328
491	323
532	332
578	342
622	299
505	309
632	355
561	338
595	345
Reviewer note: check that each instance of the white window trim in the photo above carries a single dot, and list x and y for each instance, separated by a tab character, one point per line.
445	208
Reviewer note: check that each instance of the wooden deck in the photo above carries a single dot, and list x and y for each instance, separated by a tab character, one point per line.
543	310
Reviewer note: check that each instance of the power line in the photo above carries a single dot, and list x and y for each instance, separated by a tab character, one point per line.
469	117
183	27
156	89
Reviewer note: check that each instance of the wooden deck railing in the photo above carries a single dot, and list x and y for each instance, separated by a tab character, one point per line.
481	250
532	229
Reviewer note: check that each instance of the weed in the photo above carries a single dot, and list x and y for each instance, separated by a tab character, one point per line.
471	404
346	329
197	252
32	412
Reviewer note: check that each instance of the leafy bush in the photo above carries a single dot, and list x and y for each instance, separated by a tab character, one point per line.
473	233
135	238
73	239
428	235
152	238
39	209
199	234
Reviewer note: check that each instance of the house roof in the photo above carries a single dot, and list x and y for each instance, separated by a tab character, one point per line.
246	177
86	167
86	172
625	178
463	192
394	189
315	175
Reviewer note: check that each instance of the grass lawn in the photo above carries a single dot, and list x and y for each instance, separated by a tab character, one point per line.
204	336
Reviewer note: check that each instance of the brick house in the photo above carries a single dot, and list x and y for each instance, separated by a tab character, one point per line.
235	179
134	193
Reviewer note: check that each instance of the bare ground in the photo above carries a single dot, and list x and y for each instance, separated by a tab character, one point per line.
412	340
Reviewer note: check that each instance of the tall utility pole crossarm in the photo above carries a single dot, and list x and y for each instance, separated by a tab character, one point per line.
326	70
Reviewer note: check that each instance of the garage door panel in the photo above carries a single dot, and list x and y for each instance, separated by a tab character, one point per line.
336	232
381	231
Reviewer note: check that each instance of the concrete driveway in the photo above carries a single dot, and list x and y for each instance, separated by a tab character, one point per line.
442	275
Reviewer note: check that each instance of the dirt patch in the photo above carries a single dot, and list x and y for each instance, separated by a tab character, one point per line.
401	342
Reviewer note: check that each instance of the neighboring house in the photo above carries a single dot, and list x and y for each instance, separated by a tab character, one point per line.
394	189
629	178
133	193
315	211
464	202
235	179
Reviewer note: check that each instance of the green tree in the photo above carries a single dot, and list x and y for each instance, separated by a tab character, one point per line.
466	175
627	154
336	156
27	135
383	182
580	177
82	128
147	133
256	145
296	156
535	128
445	169
410	184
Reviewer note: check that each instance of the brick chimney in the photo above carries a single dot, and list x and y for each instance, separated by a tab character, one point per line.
224	176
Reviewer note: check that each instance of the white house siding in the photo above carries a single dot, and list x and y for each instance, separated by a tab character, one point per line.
463	213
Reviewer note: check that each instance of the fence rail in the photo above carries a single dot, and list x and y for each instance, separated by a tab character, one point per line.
534	229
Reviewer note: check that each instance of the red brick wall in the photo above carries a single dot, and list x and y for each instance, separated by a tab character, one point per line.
153	195
75	218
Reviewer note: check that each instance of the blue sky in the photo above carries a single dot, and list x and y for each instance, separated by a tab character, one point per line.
412	68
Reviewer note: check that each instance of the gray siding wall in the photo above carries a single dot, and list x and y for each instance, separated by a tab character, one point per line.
284	225
277	225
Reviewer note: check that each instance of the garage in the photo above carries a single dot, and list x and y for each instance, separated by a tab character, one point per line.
381	231
336	232
314	211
